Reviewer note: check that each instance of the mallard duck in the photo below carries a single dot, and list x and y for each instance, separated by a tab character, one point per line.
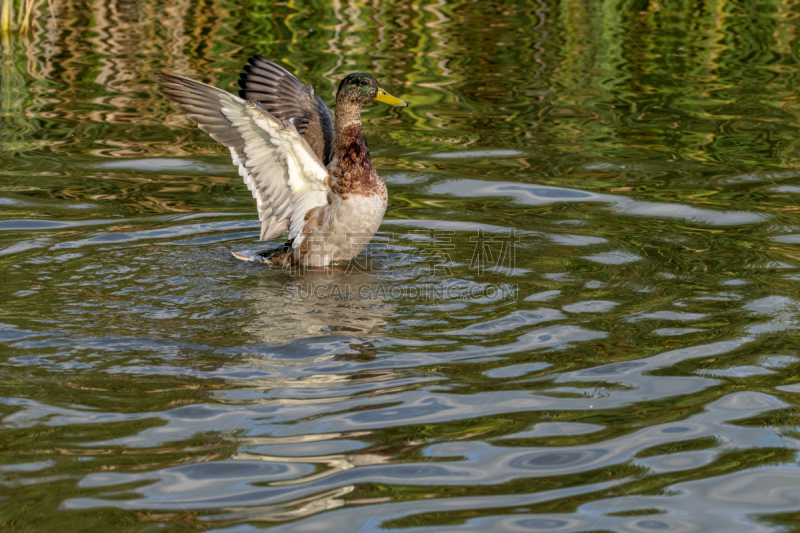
310	176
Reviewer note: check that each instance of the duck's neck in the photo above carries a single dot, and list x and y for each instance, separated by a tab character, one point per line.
353	170
347	116
350	145
349	131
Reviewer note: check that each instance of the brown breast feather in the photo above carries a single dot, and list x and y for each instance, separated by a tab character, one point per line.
354	173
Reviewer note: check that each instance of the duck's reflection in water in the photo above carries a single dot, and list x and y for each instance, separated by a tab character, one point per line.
337	301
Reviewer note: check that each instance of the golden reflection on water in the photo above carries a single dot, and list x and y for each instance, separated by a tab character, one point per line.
100	75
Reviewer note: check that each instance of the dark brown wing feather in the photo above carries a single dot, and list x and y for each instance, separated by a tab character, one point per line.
287	98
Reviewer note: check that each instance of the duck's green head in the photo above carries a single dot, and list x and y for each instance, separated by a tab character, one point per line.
361	89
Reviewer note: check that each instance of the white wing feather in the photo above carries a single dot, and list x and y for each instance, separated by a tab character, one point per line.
307	178
285	176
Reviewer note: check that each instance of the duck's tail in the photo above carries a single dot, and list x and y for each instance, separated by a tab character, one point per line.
276	256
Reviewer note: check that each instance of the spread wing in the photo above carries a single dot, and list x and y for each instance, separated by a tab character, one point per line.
287	98
286	177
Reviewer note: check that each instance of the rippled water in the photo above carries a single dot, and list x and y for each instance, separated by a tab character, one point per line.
580	313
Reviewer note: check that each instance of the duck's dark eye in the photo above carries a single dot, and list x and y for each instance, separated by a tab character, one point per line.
363	82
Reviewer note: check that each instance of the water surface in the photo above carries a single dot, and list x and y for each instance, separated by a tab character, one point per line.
580	313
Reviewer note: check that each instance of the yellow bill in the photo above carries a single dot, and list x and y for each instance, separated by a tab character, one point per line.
387	98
